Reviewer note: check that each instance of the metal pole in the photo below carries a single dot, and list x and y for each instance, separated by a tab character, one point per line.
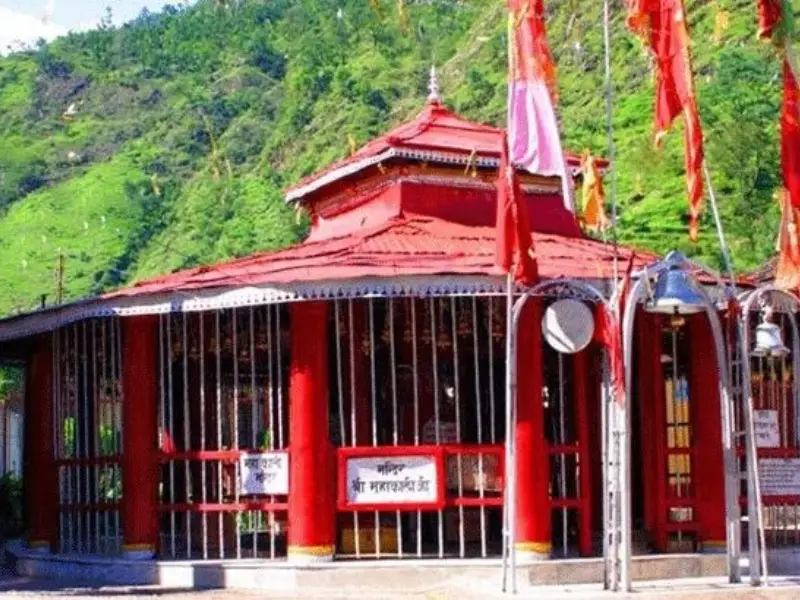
605	427
712	198
626	534
509	558
610	132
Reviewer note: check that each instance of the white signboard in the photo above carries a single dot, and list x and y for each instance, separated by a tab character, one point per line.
768	434
392	480
779	476
264	473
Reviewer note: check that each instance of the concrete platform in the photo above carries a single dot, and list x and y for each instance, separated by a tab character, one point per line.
385	578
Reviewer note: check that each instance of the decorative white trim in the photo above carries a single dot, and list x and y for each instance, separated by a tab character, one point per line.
343	171
221	298
452	158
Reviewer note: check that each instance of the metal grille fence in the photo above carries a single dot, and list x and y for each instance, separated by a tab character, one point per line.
223	392
566	430
776	434
88	435
411	374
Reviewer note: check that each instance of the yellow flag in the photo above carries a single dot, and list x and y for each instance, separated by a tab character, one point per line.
594	195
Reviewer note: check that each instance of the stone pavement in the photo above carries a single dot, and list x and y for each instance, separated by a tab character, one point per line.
12	586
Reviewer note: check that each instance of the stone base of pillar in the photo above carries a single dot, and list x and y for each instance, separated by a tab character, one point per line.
39	546
714	547
533	551
306	555
138	551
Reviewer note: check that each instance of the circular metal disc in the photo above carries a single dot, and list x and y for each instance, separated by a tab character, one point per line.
568	326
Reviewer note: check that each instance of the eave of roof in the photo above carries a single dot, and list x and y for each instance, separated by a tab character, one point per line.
434	135
400	247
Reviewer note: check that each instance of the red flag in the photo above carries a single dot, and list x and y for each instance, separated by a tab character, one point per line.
770	14
609	333
773	17
787	273
514	243
662	25
790	134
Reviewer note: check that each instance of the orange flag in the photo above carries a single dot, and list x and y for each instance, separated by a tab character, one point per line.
594	195
662	26
787	273
514	242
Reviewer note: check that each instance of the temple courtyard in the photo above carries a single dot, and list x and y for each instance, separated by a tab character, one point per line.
782	588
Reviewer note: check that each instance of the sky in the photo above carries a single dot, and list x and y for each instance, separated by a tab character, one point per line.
25	21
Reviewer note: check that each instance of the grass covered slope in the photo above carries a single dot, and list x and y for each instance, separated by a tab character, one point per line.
166	142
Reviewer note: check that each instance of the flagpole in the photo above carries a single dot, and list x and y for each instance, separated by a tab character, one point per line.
511	401
610	132
790	57
620	573
510	555
509	450
712	198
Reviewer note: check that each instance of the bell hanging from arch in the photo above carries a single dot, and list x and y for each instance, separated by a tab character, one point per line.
675	295
769	339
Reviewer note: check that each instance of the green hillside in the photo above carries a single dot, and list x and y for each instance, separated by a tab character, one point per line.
186	125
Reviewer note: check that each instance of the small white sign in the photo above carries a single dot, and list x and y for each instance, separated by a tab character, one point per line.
767	432
392	480
779	476
264	473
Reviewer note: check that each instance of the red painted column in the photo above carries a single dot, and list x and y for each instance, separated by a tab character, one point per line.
40	473
658	419
140	439
533	514
708	473
580	374
312	497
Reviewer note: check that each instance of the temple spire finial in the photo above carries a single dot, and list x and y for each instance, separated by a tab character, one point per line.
434	96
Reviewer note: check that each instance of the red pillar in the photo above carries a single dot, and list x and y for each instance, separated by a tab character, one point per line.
41	476
533	514
654	414
580	374
707	458
312	498
140	439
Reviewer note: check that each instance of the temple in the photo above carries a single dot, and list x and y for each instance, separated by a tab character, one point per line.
344	398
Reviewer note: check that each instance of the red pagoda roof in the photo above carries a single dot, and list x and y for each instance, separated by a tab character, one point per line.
400	247
436	134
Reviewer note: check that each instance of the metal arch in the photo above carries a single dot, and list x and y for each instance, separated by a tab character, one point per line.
585	292
726	415
756	534
758	293
563	287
